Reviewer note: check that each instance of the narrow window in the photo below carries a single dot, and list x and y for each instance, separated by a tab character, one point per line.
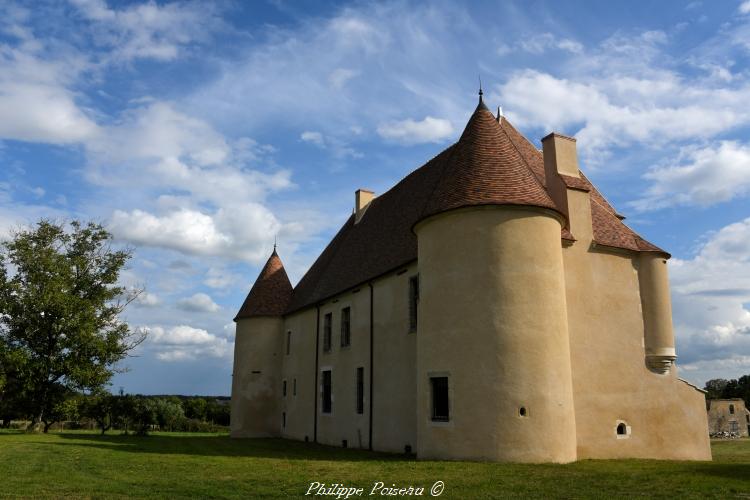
346	331
440	407
283	419
731	409
360	390
622	429
283	388
327	320
294	387
327	391
288	343
413	302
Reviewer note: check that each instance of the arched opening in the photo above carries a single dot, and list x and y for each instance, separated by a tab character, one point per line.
731	409
622	429
522	411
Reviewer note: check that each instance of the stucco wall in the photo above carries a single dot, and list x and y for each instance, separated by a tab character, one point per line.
299	364
395	355
611	382
254	405
493	320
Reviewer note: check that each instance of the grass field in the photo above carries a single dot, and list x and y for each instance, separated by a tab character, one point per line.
75	464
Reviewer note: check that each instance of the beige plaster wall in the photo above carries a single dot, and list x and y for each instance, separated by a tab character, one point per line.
611	381
255	403
344	422
493	319
299	364
395	356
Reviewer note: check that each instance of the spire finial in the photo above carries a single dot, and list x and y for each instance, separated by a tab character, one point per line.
480	88
274	243
499	113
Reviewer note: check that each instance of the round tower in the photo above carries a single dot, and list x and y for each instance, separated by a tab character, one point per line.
657	311
258	344
493	354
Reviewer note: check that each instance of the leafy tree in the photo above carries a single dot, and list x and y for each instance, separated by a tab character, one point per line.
144	414
169	413
100	407
59	308
715	388
195	408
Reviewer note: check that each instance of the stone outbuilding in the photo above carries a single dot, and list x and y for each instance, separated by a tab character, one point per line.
492	305
728	416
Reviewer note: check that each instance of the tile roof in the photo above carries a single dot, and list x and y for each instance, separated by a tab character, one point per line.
492	163
270	293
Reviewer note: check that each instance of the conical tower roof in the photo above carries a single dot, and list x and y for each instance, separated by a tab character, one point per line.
485	168
271	292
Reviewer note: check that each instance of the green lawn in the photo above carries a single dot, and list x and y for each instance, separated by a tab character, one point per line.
75	464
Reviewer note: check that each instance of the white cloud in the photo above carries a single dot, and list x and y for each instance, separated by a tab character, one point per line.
710	293
199	302
744	7
609	111
184	343
146	299
704	177
416	132
541	43
149	30
313	138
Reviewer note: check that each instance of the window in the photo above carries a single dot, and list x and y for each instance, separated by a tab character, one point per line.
288	343
294	387
440	406
360	390
327	399
346	330
283	389
734	426
622	429
731	409
413	302
327	320
283	419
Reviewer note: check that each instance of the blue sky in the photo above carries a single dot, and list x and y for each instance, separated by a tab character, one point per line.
197	131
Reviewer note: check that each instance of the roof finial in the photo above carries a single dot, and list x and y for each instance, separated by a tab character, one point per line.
274	243
499	113
480	89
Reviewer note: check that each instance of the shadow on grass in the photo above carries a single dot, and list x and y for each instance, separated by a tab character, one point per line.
223	446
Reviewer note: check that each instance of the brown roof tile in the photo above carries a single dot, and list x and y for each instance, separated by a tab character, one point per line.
485	168
492	163
270	293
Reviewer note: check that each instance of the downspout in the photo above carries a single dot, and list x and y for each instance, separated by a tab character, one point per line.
372	331
315	392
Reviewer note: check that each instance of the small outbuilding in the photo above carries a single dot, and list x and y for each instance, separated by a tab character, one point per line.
728	416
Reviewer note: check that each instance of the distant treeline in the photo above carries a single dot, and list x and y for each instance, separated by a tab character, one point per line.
720	388
131	413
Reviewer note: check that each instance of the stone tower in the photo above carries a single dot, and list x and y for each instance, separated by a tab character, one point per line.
258	345
493	308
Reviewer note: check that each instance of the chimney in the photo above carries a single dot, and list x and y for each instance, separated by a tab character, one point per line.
564	184
362	200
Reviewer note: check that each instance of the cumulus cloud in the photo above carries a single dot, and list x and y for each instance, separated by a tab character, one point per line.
184	343
146	299
710	294
744	7
313	137
704	177
416	132
199	302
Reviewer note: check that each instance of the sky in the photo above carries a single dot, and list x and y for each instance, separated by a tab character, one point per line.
196	132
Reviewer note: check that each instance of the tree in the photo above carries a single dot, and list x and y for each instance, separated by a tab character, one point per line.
715	388
59	310
100	407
